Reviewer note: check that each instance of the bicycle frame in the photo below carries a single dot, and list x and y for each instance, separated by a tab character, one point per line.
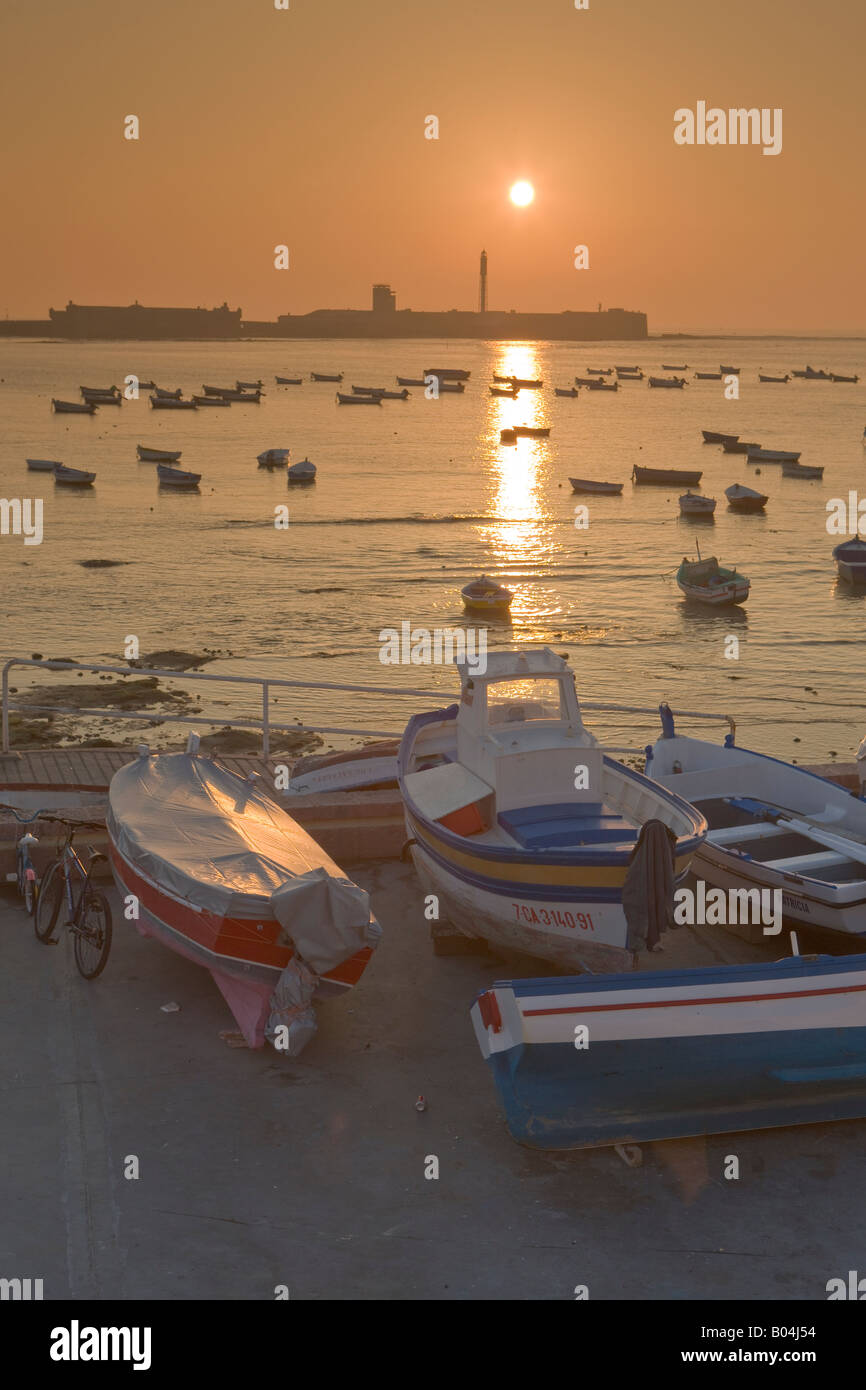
73	864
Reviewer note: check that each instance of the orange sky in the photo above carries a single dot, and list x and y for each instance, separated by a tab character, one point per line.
306	127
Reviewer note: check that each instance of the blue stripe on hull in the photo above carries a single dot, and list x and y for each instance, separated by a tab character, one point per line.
558	1097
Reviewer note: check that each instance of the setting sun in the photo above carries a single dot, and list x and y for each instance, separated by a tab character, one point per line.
522	193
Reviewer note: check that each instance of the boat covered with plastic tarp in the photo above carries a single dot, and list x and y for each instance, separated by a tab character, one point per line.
222	875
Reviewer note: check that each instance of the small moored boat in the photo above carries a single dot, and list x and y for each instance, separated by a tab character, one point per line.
358	400
157	455
834	376
790	469
603	385
302	472
43	465
707	582
693	505
739	446
729	371
531	431
168	395
72	477
588	485
320	376
221	401
177	477
171	403
273	458
599	371
776	380
850	559
572	391
412	381
711	437
289	380
508	391
667	368
759	455
672	382
486	595
745	499
449	373
662	477
248	386
73	407
708	376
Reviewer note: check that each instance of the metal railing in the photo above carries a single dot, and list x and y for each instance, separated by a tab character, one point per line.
266	724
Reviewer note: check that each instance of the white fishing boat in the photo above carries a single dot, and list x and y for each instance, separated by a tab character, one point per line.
706	581
485	595
745	499
72	477
759	455
42	465
771	826
850	559
273	458
520	825
588	485
177	477
693	505
302	472
157	455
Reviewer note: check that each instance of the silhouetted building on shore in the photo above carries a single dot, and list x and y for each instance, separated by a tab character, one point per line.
138	321
384	320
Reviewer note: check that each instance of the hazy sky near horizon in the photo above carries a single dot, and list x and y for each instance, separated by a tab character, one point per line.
306	127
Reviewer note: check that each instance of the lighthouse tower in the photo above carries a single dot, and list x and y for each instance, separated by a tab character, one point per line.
482	285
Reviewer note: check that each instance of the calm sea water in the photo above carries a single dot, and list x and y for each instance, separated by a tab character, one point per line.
417	497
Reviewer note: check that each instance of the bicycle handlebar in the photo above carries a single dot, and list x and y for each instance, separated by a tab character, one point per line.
57	820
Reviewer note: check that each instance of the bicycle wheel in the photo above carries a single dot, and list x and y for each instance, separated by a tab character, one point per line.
50	898
92	933
31	894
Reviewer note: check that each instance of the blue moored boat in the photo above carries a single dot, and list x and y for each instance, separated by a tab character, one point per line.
680	1053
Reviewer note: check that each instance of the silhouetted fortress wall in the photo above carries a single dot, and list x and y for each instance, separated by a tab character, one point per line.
136	321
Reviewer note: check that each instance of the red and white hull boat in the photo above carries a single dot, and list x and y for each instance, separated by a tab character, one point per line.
226	878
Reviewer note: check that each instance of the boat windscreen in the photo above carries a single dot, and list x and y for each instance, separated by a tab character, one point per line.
510	701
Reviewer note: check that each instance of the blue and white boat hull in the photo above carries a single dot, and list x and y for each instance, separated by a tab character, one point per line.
676	1054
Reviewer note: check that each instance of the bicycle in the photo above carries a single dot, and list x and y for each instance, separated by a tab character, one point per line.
26	877
89	916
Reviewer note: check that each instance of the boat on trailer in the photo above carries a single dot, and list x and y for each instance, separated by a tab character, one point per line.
224	877
771	826
519	823
664	477
745	499
850	559
677	1053
157	455
588	485
706	581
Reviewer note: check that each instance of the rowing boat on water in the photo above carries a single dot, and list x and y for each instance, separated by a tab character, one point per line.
745	499
177	477
223	876
587	485
708	582
73	407
157	455
660	477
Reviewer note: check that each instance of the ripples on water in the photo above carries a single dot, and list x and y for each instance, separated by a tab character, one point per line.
417	497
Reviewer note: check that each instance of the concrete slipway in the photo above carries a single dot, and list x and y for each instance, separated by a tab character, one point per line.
258	1171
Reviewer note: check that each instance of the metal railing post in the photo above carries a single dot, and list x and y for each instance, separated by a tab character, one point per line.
6	706
266	732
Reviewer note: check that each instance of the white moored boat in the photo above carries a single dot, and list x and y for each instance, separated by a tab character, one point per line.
706	581
226	878
693	505
520	825
771	826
